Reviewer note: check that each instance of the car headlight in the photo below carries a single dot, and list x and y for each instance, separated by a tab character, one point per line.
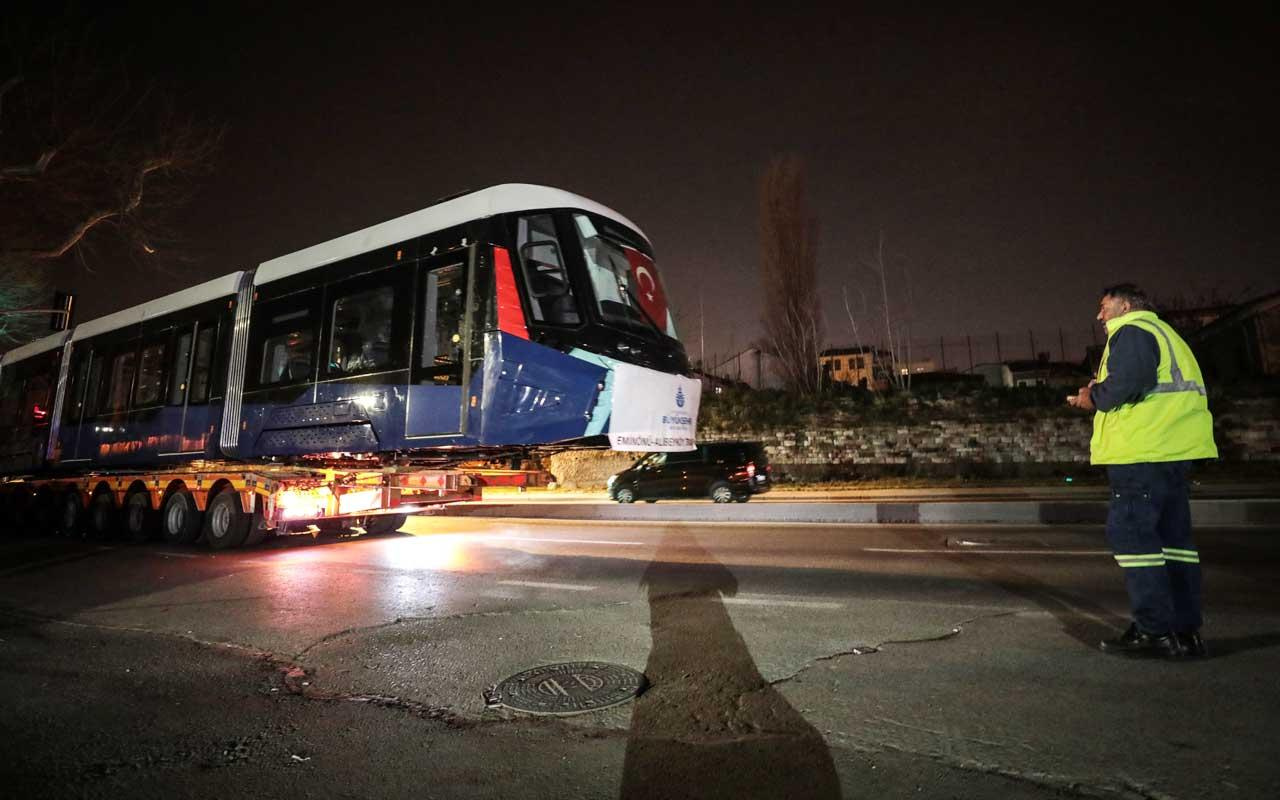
609	483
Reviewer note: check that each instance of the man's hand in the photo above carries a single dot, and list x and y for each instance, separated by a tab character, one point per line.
1082	399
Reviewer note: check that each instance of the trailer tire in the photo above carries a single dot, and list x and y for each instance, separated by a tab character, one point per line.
179	518
139	519
70	515
258	529
385	523
103	519
225	523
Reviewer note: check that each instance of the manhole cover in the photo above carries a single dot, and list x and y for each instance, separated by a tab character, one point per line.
571	688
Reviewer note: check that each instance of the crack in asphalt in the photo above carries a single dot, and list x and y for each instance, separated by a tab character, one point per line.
1123	786
863	650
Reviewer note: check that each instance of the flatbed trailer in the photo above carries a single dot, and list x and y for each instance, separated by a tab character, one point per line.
228	505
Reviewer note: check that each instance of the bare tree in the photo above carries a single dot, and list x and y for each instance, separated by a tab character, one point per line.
897	345
87	157
789	275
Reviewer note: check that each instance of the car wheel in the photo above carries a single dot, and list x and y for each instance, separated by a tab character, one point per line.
624	495
225	523
180	519
721	492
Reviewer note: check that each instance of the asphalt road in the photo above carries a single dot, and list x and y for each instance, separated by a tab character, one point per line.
785	660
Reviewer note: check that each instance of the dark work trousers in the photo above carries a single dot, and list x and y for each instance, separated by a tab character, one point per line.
1149	531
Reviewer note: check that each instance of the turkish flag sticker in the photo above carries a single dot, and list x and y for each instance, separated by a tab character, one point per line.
648	290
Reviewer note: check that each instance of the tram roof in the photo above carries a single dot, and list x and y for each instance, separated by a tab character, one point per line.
193	296
42	345
500	199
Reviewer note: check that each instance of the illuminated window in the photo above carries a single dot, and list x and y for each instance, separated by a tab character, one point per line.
122	369
150	376
361	339
178	370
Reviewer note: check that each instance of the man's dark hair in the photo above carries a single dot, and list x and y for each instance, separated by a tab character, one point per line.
1130	293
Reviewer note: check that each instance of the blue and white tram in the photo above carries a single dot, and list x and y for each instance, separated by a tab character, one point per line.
514	316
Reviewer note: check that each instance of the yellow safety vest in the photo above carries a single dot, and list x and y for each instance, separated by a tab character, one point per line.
1172	423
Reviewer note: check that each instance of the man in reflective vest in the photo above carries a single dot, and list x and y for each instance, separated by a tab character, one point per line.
1152	421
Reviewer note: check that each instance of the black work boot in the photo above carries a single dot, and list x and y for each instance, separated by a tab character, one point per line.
1137	643
1193	644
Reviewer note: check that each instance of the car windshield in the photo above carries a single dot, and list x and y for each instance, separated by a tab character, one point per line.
651	460
624	278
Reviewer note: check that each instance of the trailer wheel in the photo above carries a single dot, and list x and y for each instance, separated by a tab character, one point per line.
179	518
258	529
385	523
45	512
225	524
103	519
139	519
70	513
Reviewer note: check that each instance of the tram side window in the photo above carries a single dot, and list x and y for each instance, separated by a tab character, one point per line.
11	402
150	376
74	403
442	321
178	370
122	369
202	370
37	400
93	389
550	293
286	356
362	331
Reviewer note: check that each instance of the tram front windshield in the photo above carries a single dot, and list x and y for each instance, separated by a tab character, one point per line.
624	278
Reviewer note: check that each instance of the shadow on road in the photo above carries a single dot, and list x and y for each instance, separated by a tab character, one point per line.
711	726
1083	620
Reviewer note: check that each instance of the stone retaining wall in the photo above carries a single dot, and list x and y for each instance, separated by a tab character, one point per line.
1027	447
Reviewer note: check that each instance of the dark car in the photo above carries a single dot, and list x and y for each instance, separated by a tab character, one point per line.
724	471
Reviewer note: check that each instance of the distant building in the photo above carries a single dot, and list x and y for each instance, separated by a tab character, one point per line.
1038	372
859	366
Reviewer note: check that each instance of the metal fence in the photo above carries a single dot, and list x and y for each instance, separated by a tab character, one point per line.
962	353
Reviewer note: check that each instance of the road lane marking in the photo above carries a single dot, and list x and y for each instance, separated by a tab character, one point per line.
181	555
573	587
765	600
557	541
986	552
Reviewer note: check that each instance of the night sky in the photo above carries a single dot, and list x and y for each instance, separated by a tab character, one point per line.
1014	164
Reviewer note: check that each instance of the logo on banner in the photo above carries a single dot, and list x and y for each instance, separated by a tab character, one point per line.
679	397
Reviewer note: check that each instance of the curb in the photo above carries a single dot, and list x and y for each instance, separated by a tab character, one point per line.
1206	513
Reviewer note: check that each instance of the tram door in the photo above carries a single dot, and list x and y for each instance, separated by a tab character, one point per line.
442	347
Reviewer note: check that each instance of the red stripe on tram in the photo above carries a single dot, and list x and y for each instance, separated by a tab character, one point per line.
510	314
